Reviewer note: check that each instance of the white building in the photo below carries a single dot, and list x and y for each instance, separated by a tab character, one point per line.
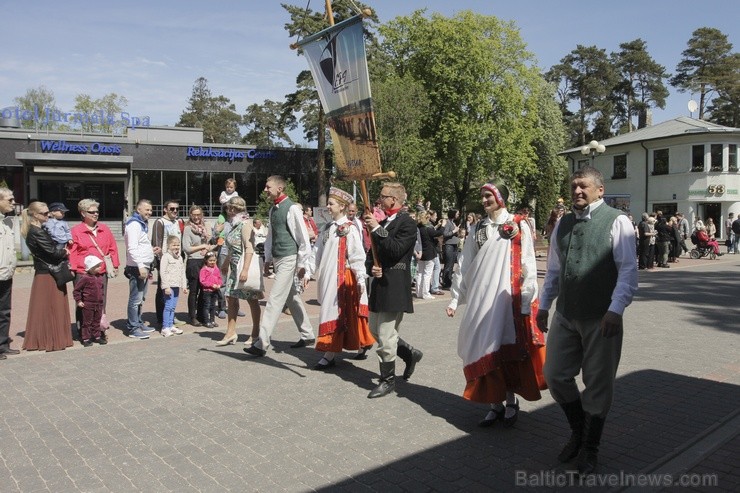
684	165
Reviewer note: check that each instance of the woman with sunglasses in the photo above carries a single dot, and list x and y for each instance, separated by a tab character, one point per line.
91	237
47	328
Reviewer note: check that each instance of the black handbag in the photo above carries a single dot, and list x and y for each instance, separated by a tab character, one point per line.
61	273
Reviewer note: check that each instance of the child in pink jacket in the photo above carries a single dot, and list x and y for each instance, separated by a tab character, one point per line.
210	284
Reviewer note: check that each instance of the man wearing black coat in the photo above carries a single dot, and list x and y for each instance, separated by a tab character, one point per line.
390	289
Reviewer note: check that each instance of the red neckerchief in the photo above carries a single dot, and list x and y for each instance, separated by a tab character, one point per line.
280	199
390	212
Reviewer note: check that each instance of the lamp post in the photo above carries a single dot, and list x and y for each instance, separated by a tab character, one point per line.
593	148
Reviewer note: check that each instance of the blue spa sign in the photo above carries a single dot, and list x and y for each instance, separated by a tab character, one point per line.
45	116
64	147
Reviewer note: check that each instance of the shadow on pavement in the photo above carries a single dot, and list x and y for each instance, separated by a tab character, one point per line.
655	414
715	308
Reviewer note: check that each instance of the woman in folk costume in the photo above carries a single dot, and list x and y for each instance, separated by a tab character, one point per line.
502	349
340	260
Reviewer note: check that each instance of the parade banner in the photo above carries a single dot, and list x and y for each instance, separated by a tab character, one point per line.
336	57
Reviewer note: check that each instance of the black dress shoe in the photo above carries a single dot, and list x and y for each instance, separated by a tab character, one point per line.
11	352
363	353
303	343
101	340
509	422
492	416
330	364
87	343
255	351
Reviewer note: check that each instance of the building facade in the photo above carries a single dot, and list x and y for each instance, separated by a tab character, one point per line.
156	163
685	165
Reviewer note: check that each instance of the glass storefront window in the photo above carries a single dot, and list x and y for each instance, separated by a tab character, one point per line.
199	190
147	185
174	187
11	177
217	186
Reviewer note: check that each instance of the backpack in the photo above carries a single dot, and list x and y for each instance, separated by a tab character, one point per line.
694	238
736	226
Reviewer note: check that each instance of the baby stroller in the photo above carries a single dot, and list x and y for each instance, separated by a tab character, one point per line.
701	248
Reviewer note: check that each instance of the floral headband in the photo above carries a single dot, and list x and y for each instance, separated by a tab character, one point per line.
497	195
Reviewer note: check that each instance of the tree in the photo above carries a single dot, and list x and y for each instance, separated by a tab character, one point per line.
99	115
401	105
480	82
549	137
641	86
305	100
217	116
725	108
589	79
703	65
266	126
41	99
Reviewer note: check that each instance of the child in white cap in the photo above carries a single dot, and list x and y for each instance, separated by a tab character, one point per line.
88	295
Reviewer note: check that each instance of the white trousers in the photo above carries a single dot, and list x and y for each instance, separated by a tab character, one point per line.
424	278
283	292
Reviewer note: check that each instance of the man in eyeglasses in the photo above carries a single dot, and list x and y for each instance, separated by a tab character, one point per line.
390	286
7	269
164	227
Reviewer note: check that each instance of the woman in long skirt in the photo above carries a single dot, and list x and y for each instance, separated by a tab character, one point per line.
48	323
340	260
502	349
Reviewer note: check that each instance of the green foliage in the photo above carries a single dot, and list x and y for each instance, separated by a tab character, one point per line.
401	105
110	104
215	115
641	86
704	64
725	108
266	125
481	86
586	79
41	98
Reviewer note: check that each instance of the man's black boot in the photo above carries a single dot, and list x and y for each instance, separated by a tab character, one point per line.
574	412
588	456
409	355
387	381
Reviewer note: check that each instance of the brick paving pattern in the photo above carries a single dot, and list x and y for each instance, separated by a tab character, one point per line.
180	414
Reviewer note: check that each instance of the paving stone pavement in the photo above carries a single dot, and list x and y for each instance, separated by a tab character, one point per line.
180	414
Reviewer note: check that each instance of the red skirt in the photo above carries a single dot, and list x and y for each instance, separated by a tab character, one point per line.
48	324
351	331
521	375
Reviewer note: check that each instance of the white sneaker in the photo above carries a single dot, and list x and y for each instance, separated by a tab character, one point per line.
175	330
166	332
429	297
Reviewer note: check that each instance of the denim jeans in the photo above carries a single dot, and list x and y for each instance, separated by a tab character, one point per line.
435	274
170	303
136	294
210	303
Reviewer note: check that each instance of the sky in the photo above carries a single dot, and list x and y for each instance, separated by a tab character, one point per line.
152	51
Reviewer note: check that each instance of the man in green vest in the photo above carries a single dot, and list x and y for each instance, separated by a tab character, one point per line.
287	247
592	271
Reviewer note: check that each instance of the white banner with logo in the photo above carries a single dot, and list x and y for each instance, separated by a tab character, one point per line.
336	57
